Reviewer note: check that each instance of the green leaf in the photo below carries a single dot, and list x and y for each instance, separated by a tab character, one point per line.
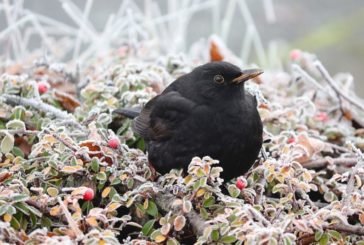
17	152
141	144
209	202
204	214
196	185
152	209
335	234
148	227
7	143
324	239
20	198
130	183
95	166
329	196
35	211
3	209
228	239
287	241
101	176
215	235
15	124
318	235
10	210
233	191
18	112
22	207
46	222
172	241
15	223
33	219
115	181
87	206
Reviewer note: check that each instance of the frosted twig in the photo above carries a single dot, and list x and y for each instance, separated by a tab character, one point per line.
351	181
19	131
72	147
36	104
85	15
269	11
325	74
73	225
310	79
319	163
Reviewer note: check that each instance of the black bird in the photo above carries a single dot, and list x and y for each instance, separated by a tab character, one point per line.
206	112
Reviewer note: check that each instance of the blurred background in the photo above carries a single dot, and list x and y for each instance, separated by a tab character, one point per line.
258	31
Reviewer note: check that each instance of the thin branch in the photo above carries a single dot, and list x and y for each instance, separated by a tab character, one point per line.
323	162
325	74
19	131
36	104
73	225
351	181
72	147
350	229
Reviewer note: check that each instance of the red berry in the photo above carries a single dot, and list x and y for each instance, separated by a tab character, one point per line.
241	183
291	140
42	87
114	143
295	54
88	195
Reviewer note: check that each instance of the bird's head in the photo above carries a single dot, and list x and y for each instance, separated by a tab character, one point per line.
216	79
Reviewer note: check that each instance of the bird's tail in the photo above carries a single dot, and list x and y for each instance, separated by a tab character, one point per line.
128	112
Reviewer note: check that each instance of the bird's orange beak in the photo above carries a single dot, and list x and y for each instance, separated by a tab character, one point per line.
246	75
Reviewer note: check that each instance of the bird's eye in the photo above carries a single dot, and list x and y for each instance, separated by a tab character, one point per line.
219	79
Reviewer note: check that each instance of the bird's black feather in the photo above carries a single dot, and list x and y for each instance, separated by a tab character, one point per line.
196	116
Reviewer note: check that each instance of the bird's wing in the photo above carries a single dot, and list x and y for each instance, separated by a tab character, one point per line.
161	116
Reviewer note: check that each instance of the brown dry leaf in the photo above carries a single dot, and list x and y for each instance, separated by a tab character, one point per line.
55	211
146	203
361	218
79	191
160	238
23	144
165	229
179	222
95	150
53	192
7	217
112	206
49	139
71	169
102	242
69	232
5	175
92	221
348	114
67	101
200	192
215	54
106	192
308	146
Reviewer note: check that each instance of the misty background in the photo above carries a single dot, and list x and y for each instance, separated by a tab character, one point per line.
334	30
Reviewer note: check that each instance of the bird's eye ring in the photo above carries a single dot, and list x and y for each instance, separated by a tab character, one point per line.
219	79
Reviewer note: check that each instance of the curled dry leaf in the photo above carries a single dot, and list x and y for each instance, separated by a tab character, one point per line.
67	101
307	147
179	222
165	229
94	150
